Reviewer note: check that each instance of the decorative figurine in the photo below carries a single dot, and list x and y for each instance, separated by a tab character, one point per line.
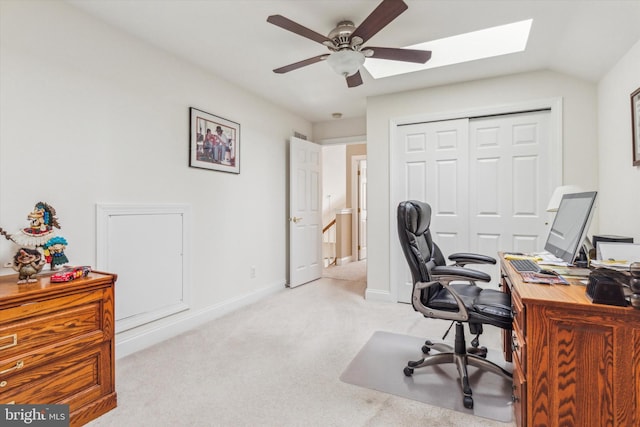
43	220
38	242
28	262
54	252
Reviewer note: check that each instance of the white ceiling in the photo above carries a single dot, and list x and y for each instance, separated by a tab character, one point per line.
232	39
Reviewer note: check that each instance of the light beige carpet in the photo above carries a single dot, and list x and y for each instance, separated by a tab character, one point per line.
354	271
278	363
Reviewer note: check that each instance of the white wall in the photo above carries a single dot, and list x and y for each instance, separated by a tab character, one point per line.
340	130
89	114
579	142
334	181
619	196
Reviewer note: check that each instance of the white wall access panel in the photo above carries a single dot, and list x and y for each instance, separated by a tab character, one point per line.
147	247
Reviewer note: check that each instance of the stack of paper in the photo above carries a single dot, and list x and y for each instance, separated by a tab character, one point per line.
550	259
617	256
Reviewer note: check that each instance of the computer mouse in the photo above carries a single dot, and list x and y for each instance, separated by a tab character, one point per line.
548	272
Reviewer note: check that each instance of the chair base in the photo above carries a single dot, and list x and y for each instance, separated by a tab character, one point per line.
461	358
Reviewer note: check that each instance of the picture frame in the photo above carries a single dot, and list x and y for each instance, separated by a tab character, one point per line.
214	142
635	126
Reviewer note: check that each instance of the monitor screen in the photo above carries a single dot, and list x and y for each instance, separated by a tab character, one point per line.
570	226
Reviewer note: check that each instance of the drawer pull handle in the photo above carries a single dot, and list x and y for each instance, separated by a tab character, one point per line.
14	341
514	343
3	384
515	396
19	365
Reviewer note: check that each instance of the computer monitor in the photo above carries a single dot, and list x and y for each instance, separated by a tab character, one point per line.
570	226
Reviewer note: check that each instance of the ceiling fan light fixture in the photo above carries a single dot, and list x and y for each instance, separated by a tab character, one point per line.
346	62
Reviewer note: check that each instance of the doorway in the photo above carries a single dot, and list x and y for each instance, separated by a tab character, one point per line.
344	203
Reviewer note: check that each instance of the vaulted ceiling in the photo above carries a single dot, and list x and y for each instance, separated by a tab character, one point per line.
232	39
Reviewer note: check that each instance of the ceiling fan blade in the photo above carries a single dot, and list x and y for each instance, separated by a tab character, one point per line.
354	80
298	29
382	15
406	55
301	64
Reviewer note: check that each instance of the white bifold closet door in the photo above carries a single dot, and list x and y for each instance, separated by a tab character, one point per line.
486	180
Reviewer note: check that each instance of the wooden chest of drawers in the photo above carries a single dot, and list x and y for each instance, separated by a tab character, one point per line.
57	344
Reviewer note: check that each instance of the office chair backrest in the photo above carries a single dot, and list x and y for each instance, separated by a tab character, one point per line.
422	254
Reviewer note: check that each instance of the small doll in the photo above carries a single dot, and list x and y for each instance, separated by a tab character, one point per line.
28	263
55	248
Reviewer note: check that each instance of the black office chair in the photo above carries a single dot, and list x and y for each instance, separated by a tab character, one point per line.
436	297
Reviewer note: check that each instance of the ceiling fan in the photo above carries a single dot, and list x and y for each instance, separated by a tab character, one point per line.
346	42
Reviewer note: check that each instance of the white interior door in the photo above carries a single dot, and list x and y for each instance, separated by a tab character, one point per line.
305	212
362	209
486	179
510	183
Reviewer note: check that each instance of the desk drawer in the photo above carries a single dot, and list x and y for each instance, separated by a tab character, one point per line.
518	346
518	313
507	286
519	395
75	380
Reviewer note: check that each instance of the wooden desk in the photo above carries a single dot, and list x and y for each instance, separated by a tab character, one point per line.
57	344
575	363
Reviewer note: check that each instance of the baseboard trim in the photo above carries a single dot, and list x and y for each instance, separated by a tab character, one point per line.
134	340
344	260
378	295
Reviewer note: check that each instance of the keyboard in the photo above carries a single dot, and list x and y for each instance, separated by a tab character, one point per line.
525	265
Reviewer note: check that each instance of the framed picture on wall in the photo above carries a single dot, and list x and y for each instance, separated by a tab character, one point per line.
635	126
214	142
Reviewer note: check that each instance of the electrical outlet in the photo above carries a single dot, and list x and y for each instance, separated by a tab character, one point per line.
252	272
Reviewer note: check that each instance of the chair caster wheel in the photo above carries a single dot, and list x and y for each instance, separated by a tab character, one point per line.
408	371
478	351
468	402
425	349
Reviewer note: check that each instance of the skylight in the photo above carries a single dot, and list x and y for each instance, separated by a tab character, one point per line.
487	43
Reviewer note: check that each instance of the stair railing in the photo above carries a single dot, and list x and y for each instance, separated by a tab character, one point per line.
329	243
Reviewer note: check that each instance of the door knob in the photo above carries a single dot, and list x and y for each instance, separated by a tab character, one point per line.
295	219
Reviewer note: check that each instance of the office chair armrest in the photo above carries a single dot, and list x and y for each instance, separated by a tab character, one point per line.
461	259
461	315
459	273
444	275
